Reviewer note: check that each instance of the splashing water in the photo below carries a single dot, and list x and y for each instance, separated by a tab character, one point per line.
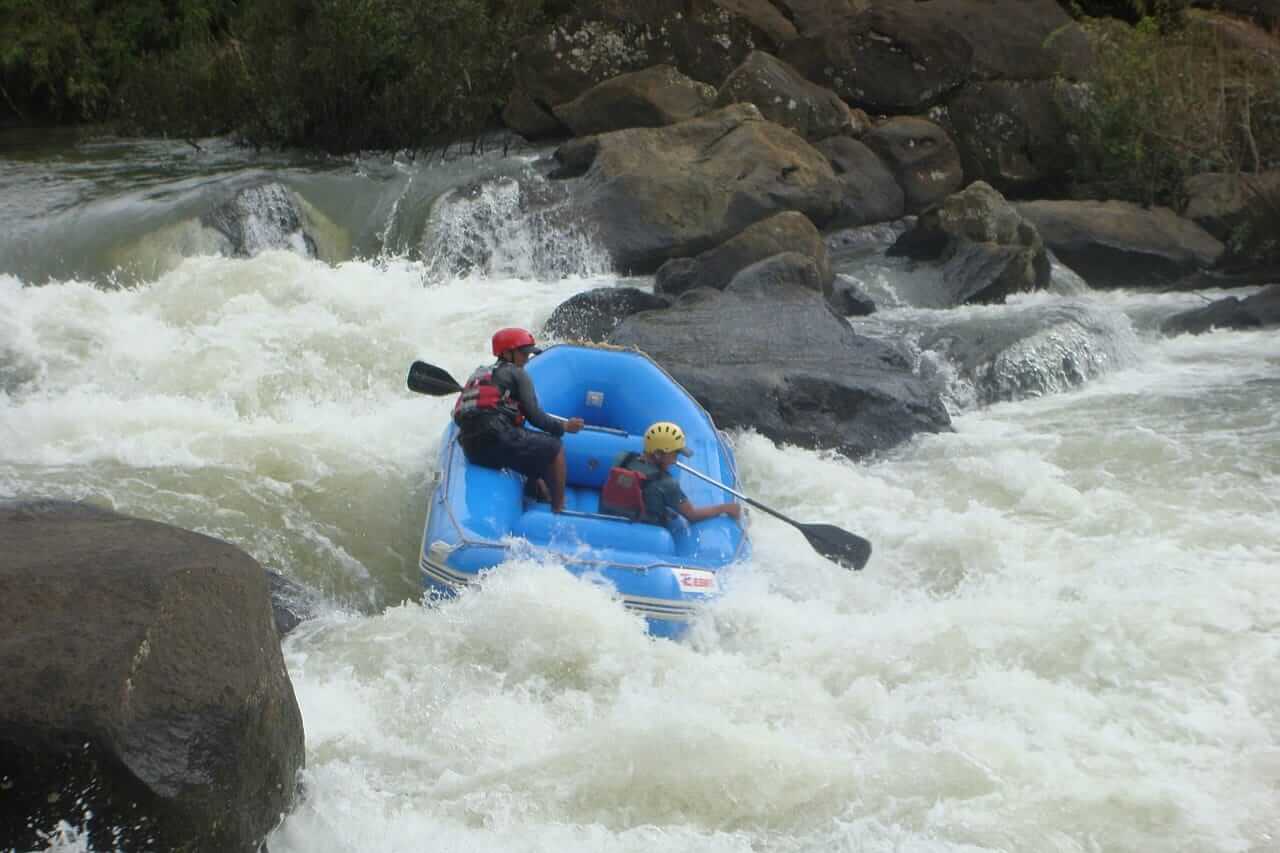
1067	639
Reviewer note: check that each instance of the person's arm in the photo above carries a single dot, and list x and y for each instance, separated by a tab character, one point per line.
528	399
701	513
675	497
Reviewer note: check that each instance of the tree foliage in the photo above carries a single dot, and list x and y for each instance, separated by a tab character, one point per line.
1162	106
63	60
339	74
349	74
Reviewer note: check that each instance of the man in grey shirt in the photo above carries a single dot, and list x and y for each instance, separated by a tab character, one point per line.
491	411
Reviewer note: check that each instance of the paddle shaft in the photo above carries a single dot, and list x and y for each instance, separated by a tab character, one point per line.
739	495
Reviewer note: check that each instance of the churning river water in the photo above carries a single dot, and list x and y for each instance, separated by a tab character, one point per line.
1068	637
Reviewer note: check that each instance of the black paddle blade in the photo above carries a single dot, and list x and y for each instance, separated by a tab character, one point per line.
845	548
428	379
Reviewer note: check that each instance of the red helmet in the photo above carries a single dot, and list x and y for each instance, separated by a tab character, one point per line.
505	339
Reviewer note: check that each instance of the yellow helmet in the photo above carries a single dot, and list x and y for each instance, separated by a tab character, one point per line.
665	437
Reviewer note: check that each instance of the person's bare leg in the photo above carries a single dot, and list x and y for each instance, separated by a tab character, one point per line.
544	494
557	473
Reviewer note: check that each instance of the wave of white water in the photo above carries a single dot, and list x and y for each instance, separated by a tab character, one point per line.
1067	639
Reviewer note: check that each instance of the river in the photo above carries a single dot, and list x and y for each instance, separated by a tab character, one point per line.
1067	639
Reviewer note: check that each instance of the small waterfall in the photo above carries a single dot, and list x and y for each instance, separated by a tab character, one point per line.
261	218
508	228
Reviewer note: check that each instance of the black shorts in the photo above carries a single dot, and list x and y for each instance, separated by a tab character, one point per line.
530	453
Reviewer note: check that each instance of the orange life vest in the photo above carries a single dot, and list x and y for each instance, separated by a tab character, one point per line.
623	491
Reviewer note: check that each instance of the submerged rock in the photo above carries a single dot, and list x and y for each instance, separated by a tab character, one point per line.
593	315
1260	310
145	692
261	218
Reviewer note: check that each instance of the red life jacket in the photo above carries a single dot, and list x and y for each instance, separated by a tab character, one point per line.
623	491
482	393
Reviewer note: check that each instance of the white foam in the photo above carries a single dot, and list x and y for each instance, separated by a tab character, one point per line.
1067	637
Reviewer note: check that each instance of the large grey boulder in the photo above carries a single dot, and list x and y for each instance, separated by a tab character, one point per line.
922	157
768	353
1221	202
1120	244
1261	310
653	97
652	194
893	57
1013	134
986	250
143	684
785	97
785	232
869	191
531	118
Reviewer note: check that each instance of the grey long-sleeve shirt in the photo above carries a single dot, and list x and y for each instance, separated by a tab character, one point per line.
516	381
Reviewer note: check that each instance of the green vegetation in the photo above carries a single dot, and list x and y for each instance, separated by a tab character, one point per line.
1169	15
61	60
1162	106
1255	239
338	74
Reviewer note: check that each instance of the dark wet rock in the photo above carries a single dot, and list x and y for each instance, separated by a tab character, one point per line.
653	97
870	192
769	353
652	194
1013	134
1260	310
531	119
143	684
1119	244
987	251
922	157
291	602
778	272
892	57
260	218
772	19
678	275
849	300
1219	279
785	97
715	268
593	315
702	39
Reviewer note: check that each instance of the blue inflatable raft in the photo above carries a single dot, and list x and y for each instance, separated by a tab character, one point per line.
476	515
